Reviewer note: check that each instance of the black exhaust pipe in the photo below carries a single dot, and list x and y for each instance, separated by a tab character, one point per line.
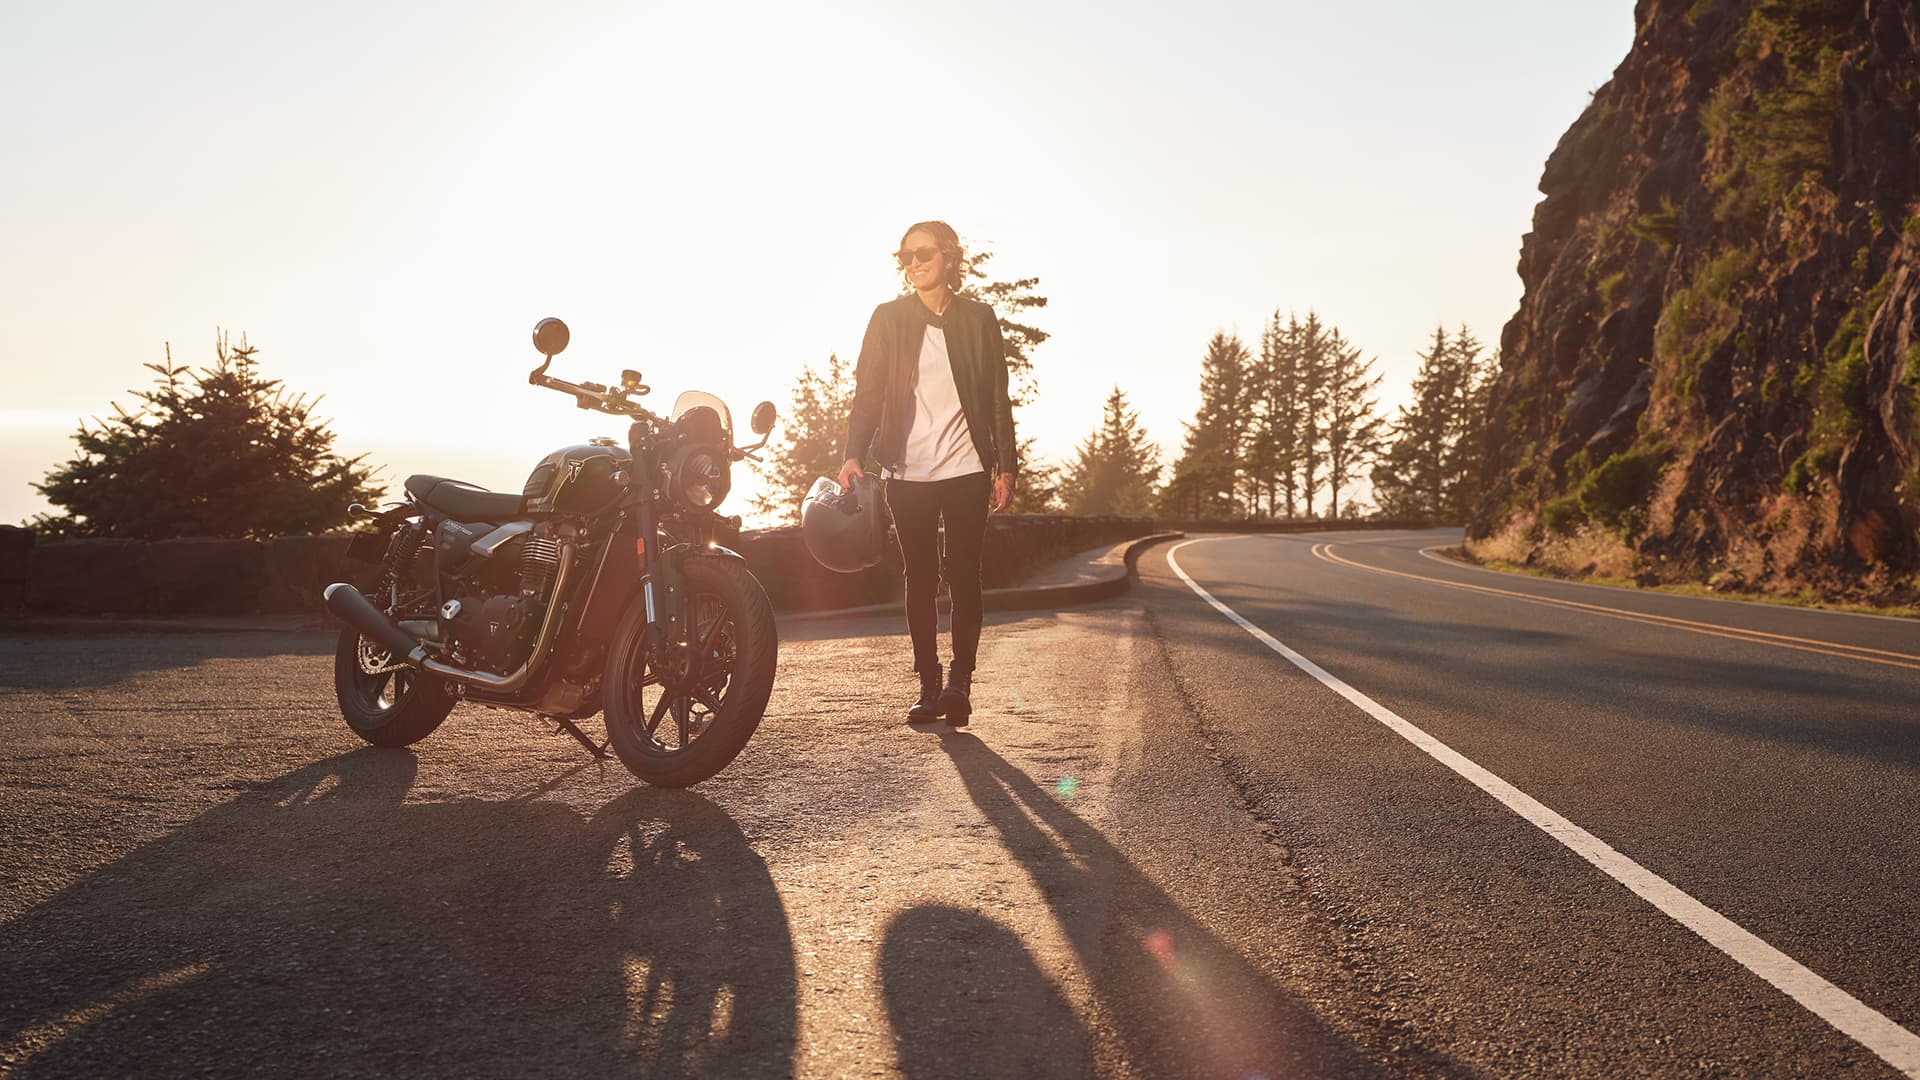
357	611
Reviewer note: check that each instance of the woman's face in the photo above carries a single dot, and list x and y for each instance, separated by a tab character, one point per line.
922	260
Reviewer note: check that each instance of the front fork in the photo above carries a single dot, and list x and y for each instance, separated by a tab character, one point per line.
662	586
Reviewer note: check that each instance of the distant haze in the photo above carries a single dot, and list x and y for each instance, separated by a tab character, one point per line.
385	198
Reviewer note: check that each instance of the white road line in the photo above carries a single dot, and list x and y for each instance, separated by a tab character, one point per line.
1870	1028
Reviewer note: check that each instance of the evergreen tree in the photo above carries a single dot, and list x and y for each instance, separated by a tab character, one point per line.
1432	467
1270	469
1351	423
1011	301
1410	480
221	451
811	432
1116	467
1205	478
1179	498
1037	489
1468	445
1312	362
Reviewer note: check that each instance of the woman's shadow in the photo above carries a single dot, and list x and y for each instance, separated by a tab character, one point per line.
323	926
1171	997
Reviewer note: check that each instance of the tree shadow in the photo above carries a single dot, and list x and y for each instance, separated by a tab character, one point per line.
1181	1001
322	926
72	662
966	999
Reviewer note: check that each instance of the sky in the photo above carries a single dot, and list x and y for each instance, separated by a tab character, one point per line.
384	198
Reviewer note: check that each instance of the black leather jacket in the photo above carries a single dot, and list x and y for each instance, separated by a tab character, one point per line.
889	367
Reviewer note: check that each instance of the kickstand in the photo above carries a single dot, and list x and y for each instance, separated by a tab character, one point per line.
573	729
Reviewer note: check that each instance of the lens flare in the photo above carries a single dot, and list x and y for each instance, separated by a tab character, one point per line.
1067	788
1159	945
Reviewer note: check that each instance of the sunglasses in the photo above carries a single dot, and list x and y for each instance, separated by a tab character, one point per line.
916	256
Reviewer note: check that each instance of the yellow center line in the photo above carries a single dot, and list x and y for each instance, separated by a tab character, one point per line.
1757	637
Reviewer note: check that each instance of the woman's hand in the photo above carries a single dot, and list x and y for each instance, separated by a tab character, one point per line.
1002	492
848	471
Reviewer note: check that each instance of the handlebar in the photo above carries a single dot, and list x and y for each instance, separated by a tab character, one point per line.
592	395
614	402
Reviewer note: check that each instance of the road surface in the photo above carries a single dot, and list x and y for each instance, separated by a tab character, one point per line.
1304	805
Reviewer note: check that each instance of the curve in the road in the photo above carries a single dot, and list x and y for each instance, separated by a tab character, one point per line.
1867	1026
1325	553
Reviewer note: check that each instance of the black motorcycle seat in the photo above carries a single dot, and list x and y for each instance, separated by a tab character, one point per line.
465	502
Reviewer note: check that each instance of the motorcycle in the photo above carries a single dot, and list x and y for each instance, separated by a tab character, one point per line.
604	586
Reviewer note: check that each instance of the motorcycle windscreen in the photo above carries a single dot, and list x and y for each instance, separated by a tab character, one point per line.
700	399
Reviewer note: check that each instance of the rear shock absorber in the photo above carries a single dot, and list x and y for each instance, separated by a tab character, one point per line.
408	542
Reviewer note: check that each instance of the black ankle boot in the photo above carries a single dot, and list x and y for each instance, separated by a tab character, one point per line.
956	700
928	707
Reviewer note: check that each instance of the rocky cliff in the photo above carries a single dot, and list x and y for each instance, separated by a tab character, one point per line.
1712	373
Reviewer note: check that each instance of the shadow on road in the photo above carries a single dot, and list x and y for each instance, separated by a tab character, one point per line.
320	925
78	662
1180	1000
967	1000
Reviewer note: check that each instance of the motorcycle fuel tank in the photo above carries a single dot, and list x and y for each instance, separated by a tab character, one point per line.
577	480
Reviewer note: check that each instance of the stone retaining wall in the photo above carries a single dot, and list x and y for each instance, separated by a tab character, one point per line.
286	575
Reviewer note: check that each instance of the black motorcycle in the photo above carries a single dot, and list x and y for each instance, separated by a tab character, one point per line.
605	584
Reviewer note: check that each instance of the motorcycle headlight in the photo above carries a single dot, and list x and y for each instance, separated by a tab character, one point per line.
700	476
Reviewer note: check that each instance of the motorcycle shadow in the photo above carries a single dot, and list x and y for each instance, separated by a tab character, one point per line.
322	926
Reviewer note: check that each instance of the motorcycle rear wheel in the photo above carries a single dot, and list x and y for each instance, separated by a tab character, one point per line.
672	732
392	708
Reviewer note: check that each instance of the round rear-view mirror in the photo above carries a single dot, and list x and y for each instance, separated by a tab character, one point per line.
763	415
550	337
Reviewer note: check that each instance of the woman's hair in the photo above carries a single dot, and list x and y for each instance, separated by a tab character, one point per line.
949	244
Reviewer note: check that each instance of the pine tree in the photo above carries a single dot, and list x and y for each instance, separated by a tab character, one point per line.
812	430
1011	301
1272	395
1116	466
1205	478
1314	360
1410	480
1351	423
1179	497
1474	397
1433	466
221	451
1037	488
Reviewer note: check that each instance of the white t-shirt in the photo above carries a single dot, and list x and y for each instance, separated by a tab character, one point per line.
939	444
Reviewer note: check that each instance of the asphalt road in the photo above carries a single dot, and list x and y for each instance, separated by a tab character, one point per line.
1163	849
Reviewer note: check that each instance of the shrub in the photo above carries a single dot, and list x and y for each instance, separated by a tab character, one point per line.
1698	318
1561	513
1616	491
1660	226
1609	286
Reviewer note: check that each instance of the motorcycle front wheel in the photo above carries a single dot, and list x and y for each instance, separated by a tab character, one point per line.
672	728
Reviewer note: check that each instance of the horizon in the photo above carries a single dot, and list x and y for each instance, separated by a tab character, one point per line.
712	201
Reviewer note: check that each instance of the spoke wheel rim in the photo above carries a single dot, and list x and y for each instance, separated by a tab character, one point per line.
672	713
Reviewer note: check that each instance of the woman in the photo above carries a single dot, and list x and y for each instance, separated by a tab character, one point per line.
930	407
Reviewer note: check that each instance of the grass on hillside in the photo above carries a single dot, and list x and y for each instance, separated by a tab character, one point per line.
1805	600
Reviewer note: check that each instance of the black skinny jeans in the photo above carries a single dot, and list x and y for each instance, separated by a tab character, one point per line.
918	508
